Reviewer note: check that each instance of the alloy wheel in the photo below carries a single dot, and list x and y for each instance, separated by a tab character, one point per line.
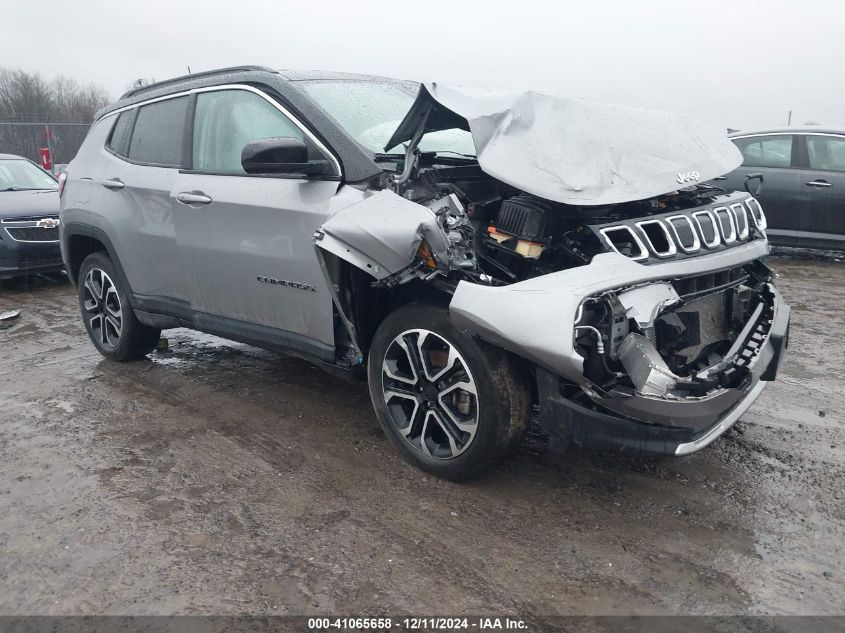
102	308
430	393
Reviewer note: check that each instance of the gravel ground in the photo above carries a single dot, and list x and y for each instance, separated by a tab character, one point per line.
220	478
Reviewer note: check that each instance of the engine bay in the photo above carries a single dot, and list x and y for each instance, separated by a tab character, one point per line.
506	235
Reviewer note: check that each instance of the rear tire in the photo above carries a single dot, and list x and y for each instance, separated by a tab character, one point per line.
111	324
453	406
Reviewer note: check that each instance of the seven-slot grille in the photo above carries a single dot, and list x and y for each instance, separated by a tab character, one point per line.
32	229
686	233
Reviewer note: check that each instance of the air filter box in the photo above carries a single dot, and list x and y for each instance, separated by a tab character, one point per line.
524	217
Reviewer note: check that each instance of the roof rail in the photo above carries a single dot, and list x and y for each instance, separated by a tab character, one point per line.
207	73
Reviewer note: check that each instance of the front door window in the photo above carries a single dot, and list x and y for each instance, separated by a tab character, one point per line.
228	120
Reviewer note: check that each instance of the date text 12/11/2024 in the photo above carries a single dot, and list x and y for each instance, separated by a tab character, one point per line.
418	624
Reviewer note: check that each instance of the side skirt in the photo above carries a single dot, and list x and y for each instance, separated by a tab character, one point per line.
166	313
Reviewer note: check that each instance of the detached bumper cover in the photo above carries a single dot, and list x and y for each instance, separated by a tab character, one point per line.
568	421
533	318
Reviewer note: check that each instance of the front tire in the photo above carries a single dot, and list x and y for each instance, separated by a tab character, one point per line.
111	324
453	406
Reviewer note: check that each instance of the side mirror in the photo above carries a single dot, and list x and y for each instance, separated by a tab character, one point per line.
754	188
279	155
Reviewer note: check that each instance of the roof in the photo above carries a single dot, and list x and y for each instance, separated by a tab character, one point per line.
795	129
328	75
10	156
182	78
233	74
357	162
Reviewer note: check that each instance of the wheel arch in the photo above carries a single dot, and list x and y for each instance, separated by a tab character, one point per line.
79	241
501	390
362	304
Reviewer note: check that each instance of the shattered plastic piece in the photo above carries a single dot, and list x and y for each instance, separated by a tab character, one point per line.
644	303
9	315
574	151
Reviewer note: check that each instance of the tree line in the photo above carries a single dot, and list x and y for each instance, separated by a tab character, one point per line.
36	112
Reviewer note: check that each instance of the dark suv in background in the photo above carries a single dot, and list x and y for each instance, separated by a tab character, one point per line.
803	188
29	219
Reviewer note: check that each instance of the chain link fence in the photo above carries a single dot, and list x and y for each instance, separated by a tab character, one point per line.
25	138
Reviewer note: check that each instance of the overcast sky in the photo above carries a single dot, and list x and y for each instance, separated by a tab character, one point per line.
735	63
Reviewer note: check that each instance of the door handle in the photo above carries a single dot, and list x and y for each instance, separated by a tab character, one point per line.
189	197
720	178
818	183
113	183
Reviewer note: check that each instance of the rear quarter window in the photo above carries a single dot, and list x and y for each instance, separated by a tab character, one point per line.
119	139
157	135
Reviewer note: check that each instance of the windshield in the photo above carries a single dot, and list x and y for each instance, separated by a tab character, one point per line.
18	174
370	111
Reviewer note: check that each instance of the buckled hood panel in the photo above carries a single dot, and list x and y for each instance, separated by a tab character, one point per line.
571	150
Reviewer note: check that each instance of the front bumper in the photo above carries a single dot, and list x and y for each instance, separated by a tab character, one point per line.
27	258
530	318
683	426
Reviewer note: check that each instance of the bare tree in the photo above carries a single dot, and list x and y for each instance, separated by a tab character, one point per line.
36	112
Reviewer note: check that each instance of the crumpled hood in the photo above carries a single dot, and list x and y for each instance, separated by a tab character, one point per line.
573	150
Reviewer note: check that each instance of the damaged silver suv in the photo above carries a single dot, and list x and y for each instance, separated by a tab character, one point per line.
474	254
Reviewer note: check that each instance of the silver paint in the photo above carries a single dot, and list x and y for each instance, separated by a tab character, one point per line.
255	227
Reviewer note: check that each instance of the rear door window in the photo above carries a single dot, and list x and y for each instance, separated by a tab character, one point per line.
766	151
826	153
157	137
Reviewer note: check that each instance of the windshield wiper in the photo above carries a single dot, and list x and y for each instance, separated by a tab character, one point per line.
28	189
449	151
384	156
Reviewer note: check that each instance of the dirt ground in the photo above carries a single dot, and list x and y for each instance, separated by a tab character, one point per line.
220	478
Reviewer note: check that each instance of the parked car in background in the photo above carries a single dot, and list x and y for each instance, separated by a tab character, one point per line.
471	253
29	218
803	189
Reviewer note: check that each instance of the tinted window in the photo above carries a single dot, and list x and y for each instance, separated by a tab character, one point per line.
227	120
766	151
826	152
119	141
157	137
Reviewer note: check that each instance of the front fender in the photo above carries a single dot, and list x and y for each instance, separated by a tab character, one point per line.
381	233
